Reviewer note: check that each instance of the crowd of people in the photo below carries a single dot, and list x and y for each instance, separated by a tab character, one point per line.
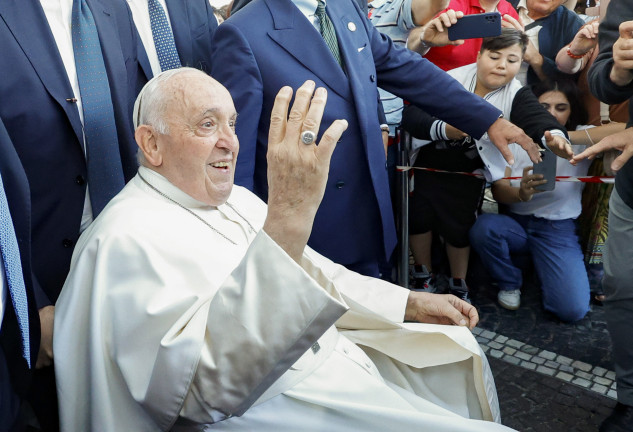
151	279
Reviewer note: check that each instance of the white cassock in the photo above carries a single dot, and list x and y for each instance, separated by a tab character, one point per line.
164	324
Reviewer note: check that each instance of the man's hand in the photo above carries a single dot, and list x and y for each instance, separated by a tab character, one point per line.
558	145
621	72
502	133
622	141
45	355
297	172
440	309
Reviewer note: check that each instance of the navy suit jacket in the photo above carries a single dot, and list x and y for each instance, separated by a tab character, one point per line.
193	24
44	126
15	375
270	44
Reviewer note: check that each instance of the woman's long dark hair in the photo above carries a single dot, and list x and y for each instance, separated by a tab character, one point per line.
571	91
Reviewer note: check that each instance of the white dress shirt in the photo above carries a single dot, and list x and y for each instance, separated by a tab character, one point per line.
58	14
140	14
308	9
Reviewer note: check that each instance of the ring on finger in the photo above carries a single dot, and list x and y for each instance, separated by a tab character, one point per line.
308	137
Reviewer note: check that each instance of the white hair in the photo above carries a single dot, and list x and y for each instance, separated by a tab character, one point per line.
151	103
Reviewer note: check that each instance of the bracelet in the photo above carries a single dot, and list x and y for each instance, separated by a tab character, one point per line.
572	55
384	128
589	136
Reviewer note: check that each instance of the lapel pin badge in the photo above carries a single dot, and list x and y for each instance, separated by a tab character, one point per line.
351	26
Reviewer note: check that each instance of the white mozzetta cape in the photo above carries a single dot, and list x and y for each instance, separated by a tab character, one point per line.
165	325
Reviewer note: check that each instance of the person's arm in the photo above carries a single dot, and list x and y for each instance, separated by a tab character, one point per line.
591	136
540	125
416	80
611	74
563	25
622	141
572	58
235	67
422	11
298	173
426	127
434	33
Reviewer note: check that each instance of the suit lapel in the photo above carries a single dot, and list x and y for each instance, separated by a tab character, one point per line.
28	24
181	27
295	34
357	54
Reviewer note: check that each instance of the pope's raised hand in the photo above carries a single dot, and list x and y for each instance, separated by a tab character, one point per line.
297	172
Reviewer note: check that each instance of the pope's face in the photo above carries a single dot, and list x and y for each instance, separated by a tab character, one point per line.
200	151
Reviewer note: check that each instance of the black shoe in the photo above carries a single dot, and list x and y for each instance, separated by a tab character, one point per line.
620	420
459	289
422	280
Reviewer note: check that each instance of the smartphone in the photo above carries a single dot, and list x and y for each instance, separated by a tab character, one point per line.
547	167
476	26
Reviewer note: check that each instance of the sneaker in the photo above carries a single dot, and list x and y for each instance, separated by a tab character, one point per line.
509	299
459	289
422	280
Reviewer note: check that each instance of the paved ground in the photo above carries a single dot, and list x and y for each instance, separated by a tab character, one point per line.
550	376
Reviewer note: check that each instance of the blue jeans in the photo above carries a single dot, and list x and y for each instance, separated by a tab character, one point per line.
555	252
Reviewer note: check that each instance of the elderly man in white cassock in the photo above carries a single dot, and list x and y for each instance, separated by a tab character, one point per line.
191	305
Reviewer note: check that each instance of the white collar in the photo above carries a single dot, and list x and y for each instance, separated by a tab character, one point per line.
161	183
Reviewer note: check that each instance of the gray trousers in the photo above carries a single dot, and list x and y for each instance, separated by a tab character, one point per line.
618	287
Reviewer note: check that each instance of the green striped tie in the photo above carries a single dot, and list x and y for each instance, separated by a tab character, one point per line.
327	31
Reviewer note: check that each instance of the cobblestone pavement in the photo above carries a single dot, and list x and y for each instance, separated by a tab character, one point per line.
550	375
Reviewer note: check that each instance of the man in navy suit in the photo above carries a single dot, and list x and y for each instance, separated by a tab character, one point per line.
18	349
191	25
272	43
44	109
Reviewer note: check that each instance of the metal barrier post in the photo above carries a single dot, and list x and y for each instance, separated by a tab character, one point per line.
402	213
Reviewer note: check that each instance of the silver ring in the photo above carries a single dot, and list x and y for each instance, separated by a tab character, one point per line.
308	137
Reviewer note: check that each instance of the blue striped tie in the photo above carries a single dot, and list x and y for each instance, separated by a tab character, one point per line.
163	37
13	270
105	174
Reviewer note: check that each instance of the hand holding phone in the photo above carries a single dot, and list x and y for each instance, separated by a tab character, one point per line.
476	26
547	167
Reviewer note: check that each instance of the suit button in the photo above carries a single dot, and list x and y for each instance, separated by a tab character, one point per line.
80	180
67	243
340	184
372	78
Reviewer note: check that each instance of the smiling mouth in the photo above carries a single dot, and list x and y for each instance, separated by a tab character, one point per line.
221	165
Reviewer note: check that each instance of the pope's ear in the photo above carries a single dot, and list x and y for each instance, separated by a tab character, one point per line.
147	139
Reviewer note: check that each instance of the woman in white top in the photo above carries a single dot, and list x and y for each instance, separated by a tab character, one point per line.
542	225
